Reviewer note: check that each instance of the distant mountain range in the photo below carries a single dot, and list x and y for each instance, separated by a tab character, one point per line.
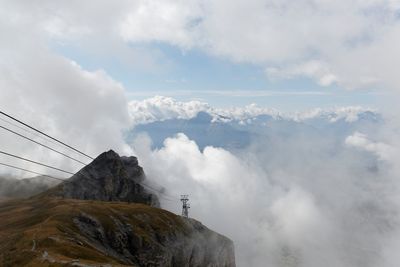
237	128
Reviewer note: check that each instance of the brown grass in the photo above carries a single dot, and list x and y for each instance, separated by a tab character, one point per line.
48	222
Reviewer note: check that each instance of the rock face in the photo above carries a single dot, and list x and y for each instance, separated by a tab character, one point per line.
108	178
171	242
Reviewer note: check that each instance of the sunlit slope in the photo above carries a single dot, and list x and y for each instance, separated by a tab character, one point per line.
63	232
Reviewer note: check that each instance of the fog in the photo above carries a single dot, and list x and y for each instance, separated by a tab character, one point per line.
14	187
302	200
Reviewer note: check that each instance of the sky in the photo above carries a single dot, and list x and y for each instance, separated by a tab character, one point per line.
290	56
196	75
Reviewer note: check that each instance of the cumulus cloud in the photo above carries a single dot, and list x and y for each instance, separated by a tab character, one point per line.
349	43
168	21
161	108
293	202
86	109
361	141
313	69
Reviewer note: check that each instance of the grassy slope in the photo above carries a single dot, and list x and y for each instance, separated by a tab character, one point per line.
32	228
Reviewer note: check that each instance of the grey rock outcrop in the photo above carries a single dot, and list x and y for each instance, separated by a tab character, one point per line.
108	178
185	243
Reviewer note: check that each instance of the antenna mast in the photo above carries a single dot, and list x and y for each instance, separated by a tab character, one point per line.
185	205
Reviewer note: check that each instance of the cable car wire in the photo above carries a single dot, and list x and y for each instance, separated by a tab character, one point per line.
36	130
36	142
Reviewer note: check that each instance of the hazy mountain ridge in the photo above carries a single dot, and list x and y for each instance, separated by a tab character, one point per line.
161	108
232	133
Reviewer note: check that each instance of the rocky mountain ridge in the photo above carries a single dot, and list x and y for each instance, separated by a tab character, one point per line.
108	178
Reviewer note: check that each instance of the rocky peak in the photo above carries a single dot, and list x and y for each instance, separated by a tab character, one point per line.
109	177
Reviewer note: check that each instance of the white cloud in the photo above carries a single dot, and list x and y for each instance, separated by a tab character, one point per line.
161	108
312	69
167	21
227	93
242	114
361	141
352	43
296	214
352	40
86	109
349	114
289	203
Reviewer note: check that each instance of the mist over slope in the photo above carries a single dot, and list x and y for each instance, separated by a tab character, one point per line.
309	191
11	187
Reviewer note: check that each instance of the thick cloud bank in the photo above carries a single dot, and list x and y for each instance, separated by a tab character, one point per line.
86	109
296	201
351	43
